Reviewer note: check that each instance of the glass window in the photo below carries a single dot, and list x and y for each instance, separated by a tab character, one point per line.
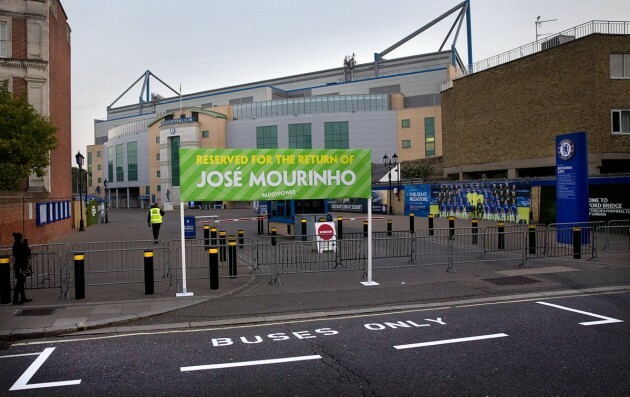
120	171
620	66
429	136
4	39
205	134
621	121
157	139
336	135
98	153
300	136
99	167
406	143
147	190
406	123
267	137
157	157
158	174
110	163
132	161
159	188
174	160
99	180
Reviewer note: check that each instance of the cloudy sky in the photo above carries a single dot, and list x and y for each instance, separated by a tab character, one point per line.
208	44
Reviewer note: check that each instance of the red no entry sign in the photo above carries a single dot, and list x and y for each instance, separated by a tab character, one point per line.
325	231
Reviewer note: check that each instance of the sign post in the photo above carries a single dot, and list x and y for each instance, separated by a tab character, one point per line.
326	237
274	174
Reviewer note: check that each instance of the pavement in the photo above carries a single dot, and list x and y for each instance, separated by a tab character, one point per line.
252	299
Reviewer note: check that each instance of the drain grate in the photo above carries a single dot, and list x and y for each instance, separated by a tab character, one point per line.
512	280
35	312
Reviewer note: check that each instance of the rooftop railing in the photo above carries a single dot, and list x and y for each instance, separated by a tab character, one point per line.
586	29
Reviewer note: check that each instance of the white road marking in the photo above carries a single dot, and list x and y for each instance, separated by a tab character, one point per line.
22	355
605	320
248	363
22	382
447	341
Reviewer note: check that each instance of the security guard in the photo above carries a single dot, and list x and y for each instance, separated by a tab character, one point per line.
154	219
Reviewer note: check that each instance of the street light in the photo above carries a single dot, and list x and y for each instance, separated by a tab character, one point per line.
79	157
390	163
105	183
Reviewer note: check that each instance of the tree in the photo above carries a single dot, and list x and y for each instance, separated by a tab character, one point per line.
26	138
415	170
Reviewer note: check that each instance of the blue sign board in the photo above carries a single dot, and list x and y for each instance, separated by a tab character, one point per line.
418	199
571	181
190	230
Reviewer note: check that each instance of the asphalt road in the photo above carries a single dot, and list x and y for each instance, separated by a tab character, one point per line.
571	346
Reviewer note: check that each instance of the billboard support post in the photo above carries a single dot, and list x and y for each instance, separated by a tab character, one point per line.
183	236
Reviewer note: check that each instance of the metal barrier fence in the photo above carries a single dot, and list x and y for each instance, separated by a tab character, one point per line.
117	266
121	262
613	239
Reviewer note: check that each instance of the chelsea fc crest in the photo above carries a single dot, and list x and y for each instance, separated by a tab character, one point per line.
566	149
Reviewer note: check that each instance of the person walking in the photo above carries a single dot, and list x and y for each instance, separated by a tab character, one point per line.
154	219
21	255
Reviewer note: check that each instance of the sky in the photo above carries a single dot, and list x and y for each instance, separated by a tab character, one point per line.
208	44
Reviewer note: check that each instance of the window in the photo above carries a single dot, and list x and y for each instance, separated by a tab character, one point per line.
120	171
300	136
147	190
159	188
174	160
98	153
132	161
110	163
429	136
5	51
157	139
99	167
621	121
406	143
205	134
158	174
620	66
267	137
336	135
157	157
406	123
99	180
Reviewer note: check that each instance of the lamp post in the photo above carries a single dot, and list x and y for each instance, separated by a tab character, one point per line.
105	183
390	163
79	157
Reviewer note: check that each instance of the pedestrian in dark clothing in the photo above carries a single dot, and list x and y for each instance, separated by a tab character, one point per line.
154	219
21	255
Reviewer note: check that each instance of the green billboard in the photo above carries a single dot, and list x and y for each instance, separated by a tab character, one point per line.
274	174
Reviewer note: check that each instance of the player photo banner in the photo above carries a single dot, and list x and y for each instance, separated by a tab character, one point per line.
274	174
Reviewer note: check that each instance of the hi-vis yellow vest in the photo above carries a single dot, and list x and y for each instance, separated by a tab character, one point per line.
155	215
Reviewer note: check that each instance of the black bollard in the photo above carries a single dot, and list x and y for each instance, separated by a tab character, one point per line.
241	238
303	222
261	225
222	245
289	229
577	243
273	236
532	239
213	236
148	272
5	279
430	224
206	235
79	276
365	229
389	227
451	226
475	230
213	257
501	236
339	228
232	271
412	223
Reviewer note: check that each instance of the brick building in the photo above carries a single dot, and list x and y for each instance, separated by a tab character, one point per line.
502	121
35	56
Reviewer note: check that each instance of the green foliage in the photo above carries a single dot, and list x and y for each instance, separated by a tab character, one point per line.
415	171
26	138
